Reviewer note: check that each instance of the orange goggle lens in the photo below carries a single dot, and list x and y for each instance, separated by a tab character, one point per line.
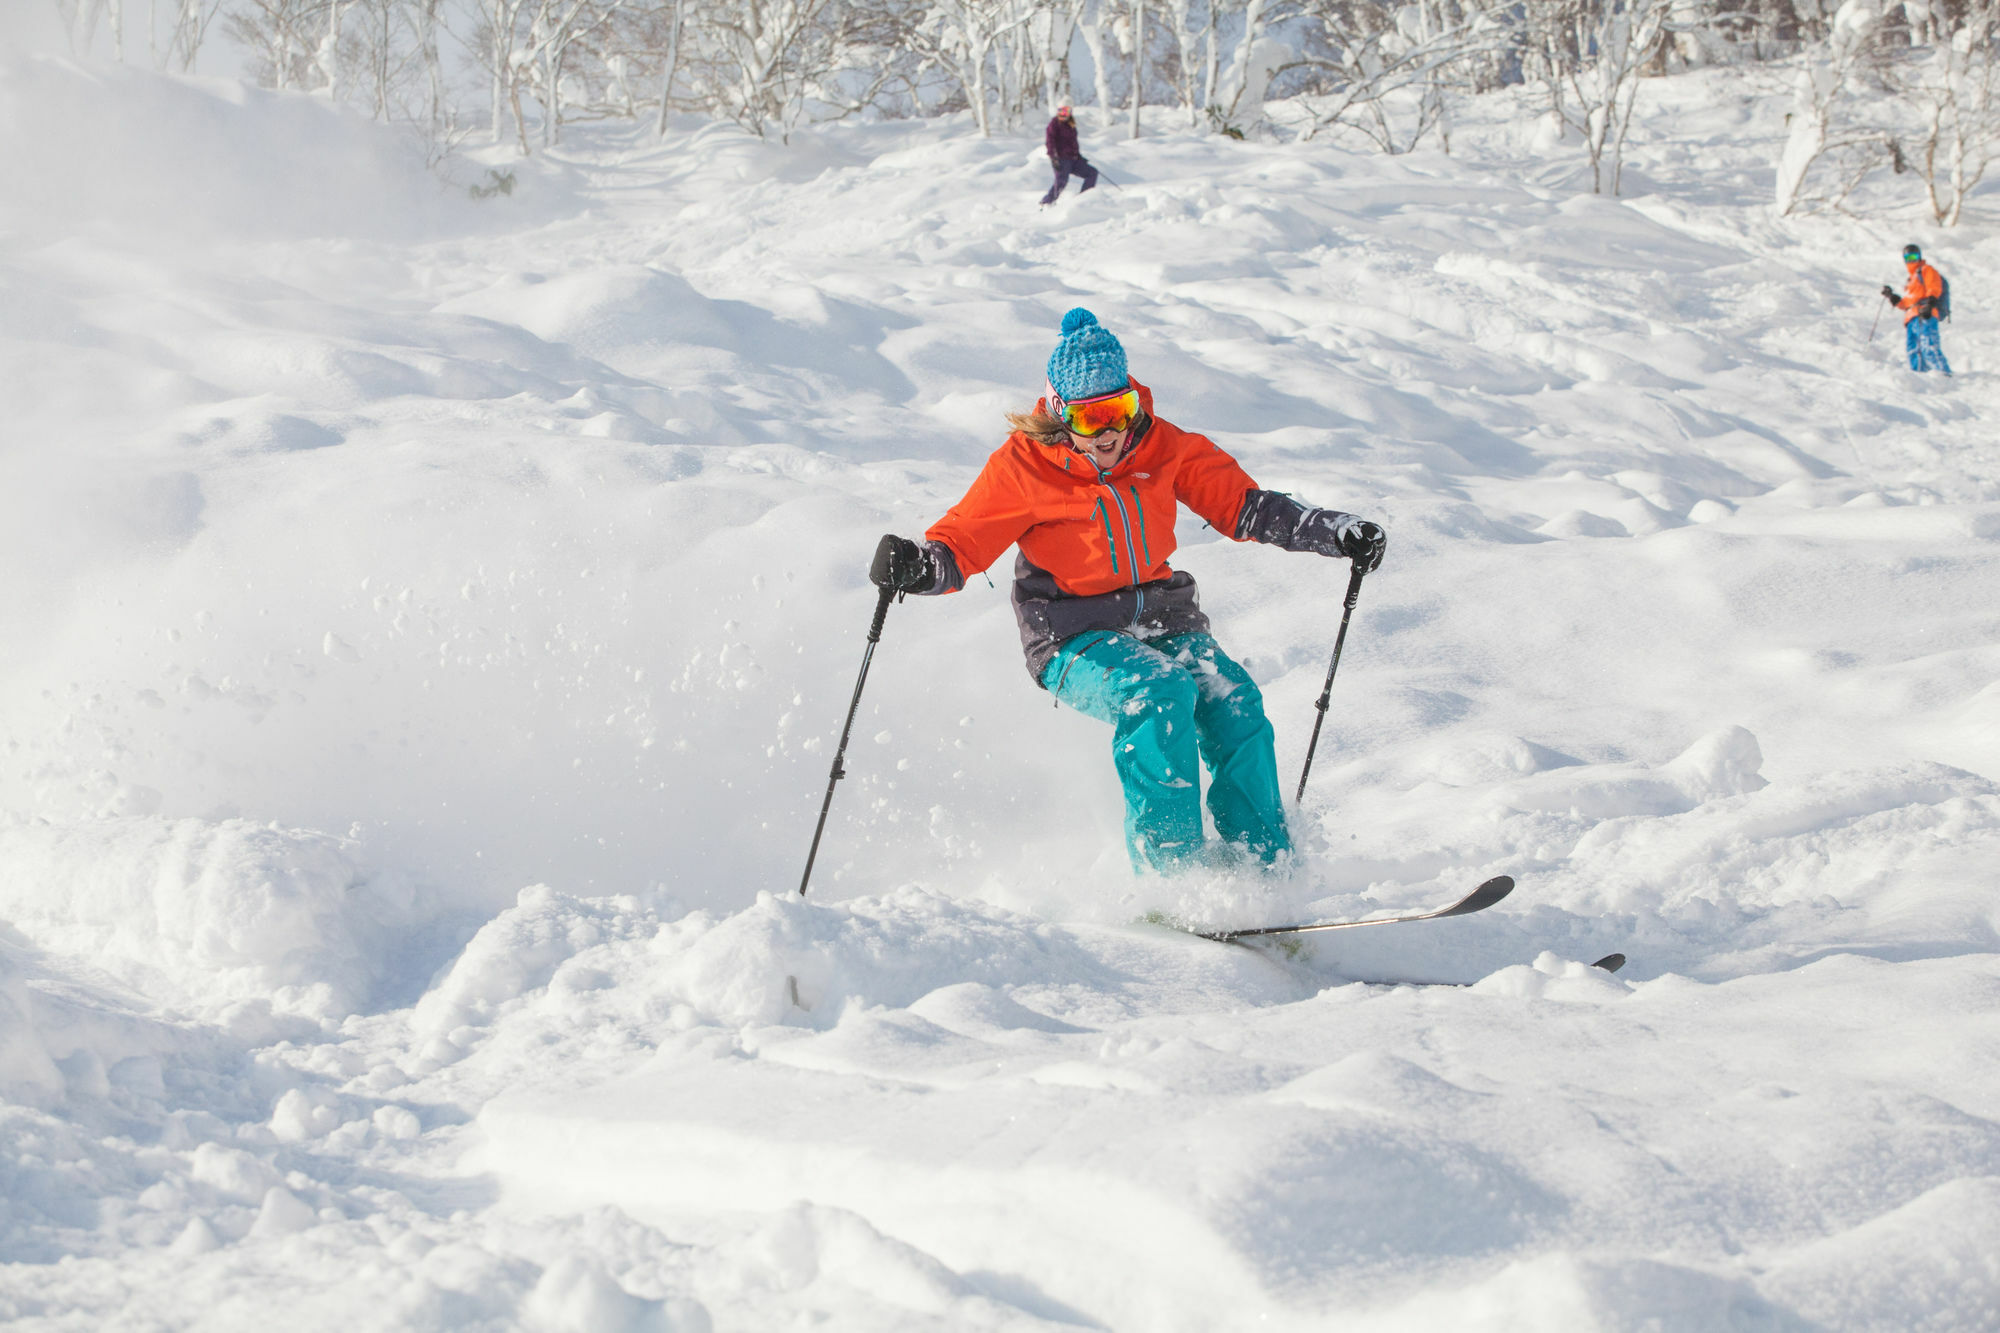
1094	416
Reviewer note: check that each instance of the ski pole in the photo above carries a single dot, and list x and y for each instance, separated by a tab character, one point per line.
1326	694
874	637
1876	324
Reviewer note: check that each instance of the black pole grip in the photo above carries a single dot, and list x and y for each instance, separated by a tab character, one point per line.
875	626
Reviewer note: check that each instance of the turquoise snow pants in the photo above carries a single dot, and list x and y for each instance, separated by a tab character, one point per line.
1175	704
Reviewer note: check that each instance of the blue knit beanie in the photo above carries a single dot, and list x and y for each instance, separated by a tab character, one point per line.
1087	361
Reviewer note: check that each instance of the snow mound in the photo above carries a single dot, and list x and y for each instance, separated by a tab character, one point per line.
519	951
203	915
28	1074
785	960
1721	764
217	159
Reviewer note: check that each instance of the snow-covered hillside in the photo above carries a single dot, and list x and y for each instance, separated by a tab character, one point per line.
430	620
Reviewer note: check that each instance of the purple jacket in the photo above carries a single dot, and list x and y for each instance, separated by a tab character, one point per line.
1060	140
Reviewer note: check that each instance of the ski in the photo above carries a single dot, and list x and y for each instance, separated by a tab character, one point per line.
1481	898
1611	962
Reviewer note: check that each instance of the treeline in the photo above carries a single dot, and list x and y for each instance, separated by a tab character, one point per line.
1908	86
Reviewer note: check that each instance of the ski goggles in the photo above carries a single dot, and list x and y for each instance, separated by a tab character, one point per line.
1912	256
1095	416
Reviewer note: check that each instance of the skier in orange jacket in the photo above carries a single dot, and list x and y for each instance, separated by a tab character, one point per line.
1087	486
1924	298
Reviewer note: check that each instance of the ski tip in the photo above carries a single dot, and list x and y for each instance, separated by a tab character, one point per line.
1483	897
1611	962
1181	925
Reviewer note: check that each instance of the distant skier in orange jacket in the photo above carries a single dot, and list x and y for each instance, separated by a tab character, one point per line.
1924	298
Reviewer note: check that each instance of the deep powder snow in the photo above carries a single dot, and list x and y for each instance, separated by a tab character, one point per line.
428	623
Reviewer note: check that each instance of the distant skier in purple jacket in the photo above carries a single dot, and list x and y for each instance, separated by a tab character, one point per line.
1064	155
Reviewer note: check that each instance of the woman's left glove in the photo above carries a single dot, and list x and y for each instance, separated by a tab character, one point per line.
1332	533
1276	518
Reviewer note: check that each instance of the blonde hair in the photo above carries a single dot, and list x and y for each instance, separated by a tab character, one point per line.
1040	425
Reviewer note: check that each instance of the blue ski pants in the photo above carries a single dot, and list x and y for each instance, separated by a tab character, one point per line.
1920	336
1175	704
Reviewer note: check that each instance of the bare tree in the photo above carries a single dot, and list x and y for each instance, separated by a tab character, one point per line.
499	43
1364	55
671	64
1957	88
1591	55
556	27
1094	28
1242	85
189	31
1054	31
1179	16
1827	152
279	33
963	37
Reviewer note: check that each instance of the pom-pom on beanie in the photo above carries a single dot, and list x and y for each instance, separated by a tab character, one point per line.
1087	361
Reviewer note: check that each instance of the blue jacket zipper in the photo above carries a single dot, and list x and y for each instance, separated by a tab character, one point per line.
1131	552
1125	518
1110	540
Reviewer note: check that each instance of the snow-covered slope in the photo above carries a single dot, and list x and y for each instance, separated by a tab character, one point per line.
430	620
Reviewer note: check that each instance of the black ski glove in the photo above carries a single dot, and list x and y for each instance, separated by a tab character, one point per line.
1888	293
1343	534
1927	308
903	565
1276	518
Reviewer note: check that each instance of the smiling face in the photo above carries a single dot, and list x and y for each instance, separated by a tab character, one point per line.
1102	450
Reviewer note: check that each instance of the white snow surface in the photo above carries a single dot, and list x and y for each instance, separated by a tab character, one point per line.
429	622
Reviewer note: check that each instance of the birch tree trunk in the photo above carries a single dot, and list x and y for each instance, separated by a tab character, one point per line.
330	51
673	68
1214	40
1100	72
1138	61
427	26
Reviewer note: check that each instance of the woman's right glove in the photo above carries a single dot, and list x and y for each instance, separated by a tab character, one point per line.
903	565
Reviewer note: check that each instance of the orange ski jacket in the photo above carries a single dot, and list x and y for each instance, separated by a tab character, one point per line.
1094	546
1925	282
1093	532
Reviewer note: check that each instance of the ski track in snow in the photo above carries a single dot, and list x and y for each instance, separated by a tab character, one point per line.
430	621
